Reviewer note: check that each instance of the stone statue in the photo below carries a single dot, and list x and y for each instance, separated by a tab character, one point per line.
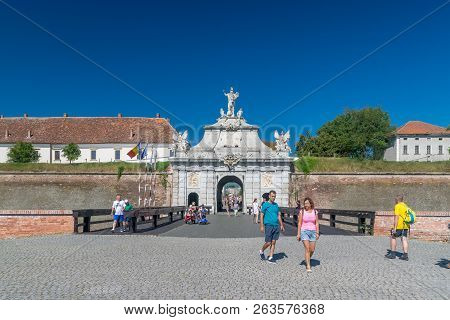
222	113
281	141
232	96
239	113
181	143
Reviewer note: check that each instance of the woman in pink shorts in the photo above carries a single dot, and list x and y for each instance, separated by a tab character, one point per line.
308	229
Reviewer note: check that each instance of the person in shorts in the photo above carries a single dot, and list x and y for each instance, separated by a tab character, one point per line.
270	225
308	229
236	207
117	210
400	229
128	207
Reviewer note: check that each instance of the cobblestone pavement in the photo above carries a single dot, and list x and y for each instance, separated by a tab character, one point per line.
174	267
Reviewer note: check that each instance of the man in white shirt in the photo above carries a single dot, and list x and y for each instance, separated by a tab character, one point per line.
117	211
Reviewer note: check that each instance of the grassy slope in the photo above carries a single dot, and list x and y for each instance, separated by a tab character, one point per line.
110	167
313	164
308	164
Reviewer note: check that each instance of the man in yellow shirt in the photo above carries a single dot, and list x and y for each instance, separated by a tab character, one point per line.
400	229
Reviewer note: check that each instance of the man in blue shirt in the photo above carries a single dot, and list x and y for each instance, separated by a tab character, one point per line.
270	225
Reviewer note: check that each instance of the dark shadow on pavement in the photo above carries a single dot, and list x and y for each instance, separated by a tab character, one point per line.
443	263
280	256
314	263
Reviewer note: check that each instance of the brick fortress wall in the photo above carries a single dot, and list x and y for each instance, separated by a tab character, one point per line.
372	192
24	223
74	191
429	225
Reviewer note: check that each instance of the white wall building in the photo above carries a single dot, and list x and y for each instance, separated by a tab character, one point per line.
101	139
419	141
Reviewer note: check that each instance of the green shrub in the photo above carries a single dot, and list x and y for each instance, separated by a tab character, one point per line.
306	164
120	170
23	152
162	166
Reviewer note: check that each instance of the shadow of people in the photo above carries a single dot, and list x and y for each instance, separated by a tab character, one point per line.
280	256
313	262
397	253
443	263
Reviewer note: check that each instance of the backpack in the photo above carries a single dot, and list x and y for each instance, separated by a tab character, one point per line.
410	217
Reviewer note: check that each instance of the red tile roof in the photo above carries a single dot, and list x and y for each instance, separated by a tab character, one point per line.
419	127
85	130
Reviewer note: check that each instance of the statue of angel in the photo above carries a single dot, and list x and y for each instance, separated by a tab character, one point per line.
281	141
222	113
182	143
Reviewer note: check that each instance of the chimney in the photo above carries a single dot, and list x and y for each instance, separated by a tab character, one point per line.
168	120
1	116
65	115
158	115
25	115
7	133
29	134
131	133
119	115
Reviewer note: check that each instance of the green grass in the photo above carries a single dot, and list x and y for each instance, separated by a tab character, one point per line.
314	164
107	167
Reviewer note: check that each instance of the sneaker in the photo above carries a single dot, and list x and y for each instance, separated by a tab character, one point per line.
263	257
390	255
308	270
271	260
404	257
112	230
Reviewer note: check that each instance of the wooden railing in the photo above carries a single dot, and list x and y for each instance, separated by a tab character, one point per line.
363	221
135	217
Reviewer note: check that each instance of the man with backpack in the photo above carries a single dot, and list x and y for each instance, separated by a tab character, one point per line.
403	217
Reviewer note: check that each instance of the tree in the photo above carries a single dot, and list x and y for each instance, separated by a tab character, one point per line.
71	152
306	145
23	152
362	134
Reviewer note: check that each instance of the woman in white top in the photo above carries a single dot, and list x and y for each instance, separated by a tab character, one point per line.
255	210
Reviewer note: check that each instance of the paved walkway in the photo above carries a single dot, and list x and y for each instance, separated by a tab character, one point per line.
171	266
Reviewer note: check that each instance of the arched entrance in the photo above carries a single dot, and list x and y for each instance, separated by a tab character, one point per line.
231	187
193	197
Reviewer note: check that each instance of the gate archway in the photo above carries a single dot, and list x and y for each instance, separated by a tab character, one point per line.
229	185
193	197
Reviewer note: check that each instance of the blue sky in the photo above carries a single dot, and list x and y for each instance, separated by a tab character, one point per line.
182	54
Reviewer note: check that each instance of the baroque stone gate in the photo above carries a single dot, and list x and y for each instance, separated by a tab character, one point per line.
230	150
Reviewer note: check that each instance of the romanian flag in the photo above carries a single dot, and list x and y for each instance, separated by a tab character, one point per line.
133	152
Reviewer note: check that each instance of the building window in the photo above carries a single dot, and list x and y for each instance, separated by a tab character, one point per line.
171	153
440	139
416	150
117	154
440	150
405	149
405	138
428	149
57	155
93	154
416	139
